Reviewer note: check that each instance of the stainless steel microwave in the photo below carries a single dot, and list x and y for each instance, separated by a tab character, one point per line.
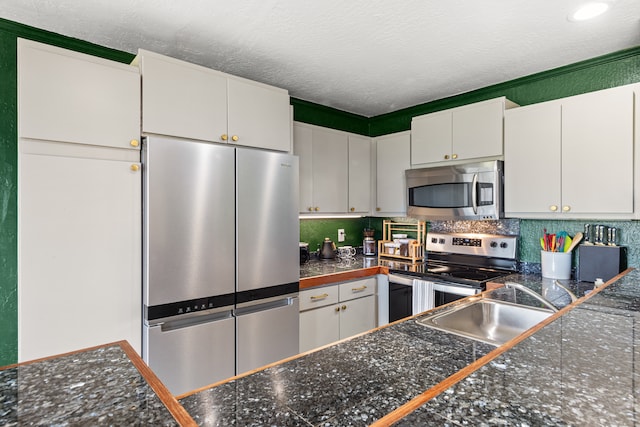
469	191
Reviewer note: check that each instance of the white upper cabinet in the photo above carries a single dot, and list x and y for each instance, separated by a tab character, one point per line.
392	159
181	99
330	170
335	170
67	96
259	115
572	157
469	132
532	153
359	174
190	101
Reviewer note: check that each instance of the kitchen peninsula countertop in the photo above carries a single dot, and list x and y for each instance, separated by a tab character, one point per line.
579	369
415	375
105	385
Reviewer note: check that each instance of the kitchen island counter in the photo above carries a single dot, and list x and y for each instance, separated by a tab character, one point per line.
415	375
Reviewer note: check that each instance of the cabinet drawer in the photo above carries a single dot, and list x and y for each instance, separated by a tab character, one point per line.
318	297
357	289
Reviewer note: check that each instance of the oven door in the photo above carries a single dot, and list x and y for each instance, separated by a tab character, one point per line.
466	191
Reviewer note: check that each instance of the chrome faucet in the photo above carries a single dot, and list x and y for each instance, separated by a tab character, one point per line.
513	285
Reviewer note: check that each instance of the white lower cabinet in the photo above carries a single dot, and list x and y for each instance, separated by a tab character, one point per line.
335	312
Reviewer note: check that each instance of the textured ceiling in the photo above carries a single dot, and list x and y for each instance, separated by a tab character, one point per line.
367	57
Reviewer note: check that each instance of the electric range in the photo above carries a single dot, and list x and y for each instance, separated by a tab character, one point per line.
457	265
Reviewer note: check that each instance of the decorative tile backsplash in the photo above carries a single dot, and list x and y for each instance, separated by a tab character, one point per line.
314	231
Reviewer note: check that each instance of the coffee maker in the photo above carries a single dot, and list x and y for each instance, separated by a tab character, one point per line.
369	243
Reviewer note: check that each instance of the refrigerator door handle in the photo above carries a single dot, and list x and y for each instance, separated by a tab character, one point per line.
255	308
185	322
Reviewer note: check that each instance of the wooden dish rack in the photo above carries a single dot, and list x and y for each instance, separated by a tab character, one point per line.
416	248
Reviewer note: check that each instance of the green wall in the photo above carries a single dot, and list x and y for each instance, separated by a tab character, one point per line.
607	71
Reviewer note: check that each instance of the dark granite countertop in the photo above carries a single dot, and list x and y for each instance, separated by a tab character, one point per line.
99	386
577	370
321	267
553	377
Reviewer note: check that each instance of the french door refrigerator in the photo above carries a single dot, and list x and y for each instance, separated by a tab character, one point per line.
221	270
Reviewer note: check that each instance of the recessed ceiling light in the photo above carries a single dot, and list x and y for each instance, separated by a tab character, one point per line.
589	10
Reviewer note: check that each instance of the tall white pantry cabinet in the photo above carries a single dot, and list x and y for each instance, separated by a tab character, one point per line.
79	201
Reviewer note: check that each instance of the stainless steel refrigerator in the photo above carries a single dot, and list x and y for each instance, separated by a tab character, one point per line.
221	270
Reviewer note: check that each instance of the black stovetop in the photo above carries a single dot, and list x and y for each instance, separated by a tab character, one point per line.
448	272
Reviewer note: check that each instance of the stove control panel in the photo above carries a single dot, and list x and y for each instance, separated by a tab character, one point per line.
490	245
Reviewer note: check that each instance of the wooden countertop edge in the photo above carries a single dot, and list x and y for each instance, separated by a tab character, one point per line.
173	406
325	279
421	399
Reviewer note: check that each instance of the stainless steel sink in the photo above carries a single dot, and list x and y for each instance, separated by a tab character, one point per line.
490	321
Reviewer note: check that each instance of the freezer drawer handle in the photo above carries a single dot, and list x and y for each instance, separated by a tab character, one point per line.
360	289
264	306
172	325
317	297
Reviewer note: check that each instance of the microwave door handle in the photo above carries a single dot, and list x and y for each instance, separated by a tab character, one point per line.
474	193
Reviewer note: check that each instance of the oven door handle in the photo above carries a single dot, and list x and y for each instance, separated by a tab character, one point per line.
474	193
455	290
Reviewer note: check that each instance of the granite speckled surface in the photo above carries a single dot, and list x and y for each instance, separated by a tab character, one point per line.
579	370
96	387
354	382
319	267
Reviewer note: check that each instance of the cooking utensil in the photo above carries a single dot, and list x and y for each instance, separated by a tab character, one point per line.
576	239
328	250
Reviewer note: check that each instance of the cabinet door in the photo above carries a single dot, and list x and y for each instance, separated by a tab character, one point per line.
258	115
392	159
303	148
597	152
359	174
71	97
357	316
330	173
431	138
319	327
79	276
532	159
477	130
182	99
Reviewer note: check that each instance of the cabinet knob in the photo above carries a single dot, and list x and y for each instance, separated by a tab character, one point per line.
446	157
134	143
224	137
235	138
310	209
455	156
344	307
553	208
378	209
135	168
337	309
316	209
352	209
566	208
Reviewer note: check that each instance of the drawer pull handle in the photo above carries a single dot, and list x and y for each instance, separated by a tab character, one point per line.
361	288
317	297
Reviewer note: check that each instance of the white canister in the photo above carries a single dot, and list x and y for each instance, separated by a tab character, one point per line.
556	265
